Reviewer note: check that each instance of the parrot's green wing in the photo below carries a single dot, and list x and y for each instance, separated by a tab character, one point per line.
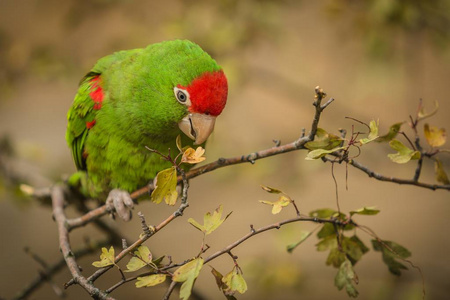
87	102
81	117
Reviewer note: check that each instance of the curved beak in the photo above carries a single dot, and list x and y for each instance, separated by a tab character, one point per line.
197	126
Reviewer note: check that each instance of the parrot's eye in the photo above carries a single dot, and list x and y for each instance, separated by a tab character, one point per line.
182	96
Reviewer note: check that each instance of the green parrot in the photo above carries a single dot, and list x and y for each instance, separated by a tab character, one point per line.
137	98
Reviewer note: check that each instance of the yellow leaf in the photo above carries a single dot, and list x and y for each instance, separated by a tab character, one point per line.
166	184
323	140
150	280
318	153
441	176
235	281
404	153
435	137
187	274
373	135
191	156
283	201
106	258
210	221
142	259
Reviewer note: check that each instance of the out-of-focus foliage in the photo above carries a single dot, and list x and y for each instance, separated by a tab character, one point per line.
383	22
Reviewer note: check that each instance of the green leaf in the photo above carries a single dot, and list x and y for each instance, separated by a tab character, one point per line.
271	189
187	274
335	257
166	184
303	236
360	244
211	221
150	280
282	201
327	243
326	230
323	140
373	134
392	251
318	153
392	133
441	176
142	259
323	213
235	281
404	153
221	285
106	258
345	278
352	249
368	211
435	137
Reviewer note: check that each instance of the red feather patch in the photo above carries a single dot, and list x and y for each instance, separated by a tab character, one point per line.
208	93
91	124
96	92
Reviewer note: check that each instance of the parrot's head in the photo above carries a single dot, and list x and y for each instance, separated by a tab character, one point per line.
204	98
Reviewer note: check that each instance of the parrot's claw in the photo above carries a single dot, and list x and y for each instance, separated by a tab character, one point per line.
120	201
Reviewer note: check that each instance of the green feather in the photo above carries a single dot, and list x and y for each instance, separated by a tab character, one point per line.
138	109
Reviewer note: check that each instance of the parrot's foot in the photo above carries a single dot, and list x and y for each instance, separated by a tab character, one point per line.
120	201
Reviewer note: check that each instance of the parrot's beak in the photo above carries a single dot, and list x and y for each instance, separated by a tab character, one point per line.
197	126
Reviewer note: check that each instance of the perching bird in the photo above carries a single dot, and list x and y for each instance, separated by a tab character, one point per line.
137	98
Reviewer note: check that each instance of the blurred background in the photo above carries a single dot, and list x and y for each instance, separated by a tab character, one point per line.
376	58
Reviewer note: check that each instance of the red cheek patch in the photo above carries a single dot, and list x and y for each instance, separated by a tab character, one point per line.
208	93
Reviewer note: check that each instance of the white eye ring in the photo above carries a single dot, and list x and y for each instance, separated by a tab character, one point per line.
182	96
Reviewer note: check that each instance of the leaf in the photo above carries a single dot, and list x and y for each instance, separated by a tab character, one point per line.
327	243
368	211
283	201
404	153
191	156
178	143
150	280
435	137
106	258
423	115
271	189
142	259
165	189
221	285
318	153
235	281
392	251
323	213
323	140
392	133
326	230
441	176
303	236
211	222
345	278
187	274
373	134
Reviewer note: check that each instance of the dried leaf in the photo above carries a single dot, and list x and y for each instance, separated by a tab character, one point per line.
150	280
282	201
166	184
271	189
191	156
435	137
441	176
423	115
106	258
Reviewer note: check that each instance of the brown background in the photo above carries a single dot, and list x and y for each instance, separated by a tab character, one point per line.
274	54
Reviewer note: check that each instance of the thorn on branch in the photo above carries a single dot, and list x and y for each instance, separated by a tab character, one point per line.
277	143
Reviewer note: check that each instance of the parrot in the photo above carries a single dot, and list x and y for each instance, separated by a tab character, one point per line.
133	99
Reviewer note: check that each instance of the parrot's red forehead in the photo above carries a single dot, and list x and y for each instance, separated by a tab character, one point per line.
208	93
